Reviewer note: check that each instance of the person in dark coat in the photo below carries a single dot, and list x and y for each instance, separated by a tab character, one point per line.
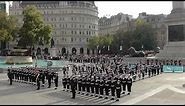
97	81
107	87
56	80
129	84
123	83
38	81
113	87
73	87
49	80
118	89
10	76
64	82
79	85
68	83
101	88
92	83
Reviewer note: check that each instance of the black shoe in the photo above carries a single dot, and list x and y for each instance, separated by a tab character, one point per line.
96	96
37	89
72	98
63	90
91	95
112	99
117	99
87	94
128	94
123	93
55	88
78	92
48	87
106	97
100	97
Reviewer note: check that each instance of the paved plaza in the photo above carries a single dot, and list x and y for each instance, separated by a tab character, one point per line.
162	89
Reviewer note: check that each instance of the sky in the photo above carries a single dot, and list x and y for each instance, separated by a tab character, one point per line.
108	8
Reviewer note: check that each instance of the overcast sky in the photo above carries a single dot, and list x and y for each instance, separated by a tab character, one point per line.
106	8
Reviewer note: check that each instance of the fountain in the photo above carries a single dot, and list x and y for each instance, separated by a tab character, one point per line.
18	56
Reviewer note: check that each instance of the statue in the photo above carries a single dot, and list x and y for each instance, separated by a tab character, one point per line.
133	53
52	43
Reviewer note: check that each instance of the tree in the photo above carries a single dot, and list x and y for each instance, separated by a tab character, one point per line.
34	31
8	27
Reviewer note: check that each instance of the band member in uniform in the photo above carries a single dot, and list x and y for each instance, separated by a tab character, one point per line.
56	80
83	85
101	87
42	78
118	89
79	85
123	82
10	76
88	85
107	87
49	79
68	83
64	82
38	81
73	87
92	84
113	87
97	86
129	84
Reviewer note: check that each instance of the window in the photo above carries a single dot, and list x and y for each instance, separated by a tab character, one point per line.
71	32
89	26
71	39
80	32
87	32
87	40
75	32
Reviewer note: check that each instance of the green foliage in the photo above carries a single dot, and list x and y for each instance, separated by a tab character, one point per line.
34	31
8	27
100	41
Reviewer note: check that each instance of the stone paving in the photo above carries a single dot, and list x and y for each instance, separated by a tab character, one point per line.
164	89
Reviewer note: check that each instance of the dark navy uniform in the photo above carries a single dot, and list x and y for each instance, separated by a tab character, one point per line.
129	85
97	81
64	82
92	83
101	84
79	85
113	87
107	88
118	89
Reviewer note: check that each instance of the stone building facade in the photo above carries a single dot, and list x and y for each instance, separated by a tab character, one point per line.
74	22
113	24
158	25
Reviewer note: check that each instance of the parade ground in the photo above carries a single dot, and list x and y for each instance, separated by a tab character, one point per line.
164	89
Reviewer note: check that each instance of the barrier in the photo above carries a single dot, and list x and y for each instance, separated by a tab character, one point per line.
172	68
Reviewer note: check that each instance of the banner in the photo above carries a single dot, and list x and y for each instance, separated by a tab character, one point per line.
172	68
